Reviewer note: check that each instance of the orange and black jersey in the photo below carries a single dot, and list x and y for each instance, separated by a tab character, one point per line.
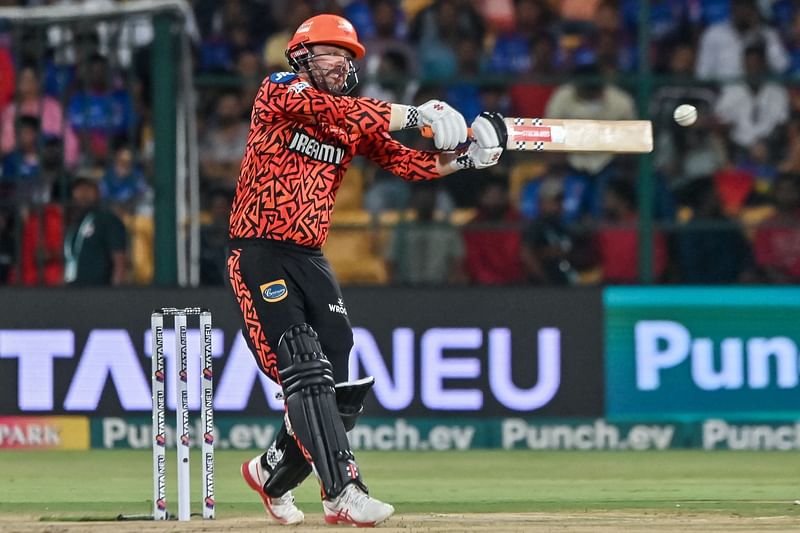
300	143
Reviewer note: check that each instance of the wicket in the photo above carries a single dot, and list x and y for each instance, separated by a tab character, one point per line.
180	371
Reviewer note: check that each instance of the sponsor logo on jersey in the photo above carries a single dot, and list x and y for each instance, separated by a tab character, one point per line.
274	291
299	87
308	146
282	77
338	307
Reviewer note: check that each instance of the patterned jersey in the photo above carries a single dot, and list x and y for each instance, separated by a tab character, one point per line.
300	143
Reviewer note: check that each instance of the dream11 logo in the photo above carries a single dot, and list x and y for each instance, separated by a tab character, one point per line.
110	355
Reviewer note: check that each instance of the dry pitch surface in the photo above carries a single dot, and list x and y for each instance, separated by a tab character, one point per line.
488	522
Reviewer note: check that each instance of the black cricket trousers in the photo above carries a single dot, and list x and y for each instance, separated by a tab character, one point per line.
279	284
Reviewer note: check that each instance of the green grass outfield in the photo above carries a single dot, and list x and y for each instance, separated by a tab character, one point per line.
108	482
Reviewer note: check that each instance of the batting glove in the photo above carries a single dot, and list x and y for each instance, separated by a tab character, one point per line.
489	130
477	157
448	125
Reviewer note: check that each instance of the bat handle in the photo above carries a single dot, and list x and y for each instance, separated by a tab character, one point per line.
428	132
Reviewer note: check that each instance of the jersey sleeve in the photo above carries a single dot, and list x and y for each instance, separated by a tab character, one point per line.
297	99
400	160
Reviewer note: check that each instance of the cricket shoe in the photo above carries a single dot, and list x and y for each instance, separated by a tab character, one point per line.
356	508
282	509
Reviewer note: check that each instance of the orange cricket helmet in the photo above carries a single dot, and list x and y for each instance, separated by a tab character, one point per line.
327	29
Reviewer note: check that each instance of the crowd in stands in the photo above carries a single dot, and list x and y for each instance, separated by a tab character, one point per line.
76	141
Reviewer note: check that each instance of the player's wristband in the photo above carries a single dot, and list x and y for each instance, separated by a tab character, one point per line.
404	117
462	162
412	119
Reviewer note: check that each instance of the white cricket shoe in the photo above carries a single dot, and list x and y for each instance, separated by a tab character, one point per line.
282	510
355	507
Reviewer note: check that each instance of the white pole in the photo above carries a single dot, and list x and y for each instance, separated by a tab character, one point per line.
182	417
159	424
206	377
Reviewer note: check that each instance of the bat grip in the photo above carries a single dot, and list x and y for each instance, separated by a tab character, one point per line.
428	132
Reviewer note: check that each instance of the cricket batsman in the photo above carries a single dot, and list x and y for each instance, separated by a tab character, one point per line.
304	132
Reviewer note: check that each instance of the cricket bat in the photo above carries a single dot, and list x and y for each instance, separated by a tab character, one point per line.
573	135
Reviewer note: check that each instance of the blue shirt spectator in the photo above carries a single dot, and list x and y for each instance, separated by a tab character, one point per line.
22	165
511	54
100	114
360	15
123	181
575	192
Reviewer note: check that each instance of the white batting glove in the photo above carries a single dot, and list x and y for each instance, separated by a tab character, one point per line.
489	130
477	157
448	125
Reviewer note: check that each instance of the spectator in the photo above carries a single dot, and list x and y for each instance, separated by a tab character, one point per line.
291	17
777	240
511	53
573	190
591	98
666	17
95	242
99	113
29	101
123	183
214	17
759	163
710	12
446	20
223	144
42	245
529	96
392	80
227	34
493	239
614	47
618	237
753	110
435	31
54	179
711	247
251	73
683	154
358	12
551	252
7	73
424	250
389	38
463	92
21	167
671	24
722	45
214	239
578	10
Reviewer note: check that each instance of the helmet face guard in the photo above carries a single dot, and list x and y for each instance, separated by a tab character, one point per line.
302	58
328	29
